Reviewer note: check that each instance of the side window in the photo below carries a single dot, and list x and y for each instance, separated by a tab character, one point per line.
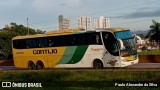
32	43
70	40
65	40
42	42
51	42
88	39
79	40
110	43
96	38
54	41
57	41
19	44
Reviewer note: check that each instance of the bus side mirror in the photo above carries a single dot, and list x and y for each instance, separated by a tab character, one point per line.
138	39
121	44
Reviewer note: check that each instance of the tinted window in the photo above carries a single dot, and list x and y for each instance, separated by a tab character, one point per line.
19	44
32	43
42	42
55	41
89	39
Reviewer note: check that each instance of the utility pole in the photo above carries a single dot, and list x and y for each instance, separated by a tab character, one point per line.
27	26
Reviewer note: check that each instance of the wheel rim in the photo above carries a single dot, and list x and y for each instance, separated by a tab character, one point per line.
31	66
39	66
98	65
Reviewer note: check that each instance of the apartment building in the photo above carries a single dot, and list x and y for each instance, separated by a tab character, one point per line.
85	23
102	22
64	23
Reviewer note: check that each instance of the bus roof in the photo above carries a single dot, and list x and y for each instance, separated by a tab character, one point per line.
113	29
67	32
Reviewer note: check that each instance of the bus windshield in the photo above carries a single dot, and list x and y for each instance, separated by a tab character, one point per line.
128	41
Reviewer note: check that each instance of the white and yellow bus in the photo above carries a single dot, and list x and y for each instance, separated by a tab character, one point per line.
112	47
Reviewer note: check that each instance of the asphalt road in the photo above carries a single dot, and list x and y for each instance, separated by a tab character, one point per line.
135	66
8	68
145	65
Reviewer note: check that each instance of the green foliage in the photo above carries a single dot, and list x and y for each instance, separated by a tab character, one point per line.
154	33
7	34
153	52
6	43
83	79
22	30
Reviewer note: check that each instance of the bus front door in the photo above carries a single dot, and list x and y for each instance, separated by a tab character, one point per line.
112	51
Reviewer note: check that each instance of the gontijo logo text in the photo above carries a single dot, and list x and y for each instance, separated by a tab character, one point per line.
46	51
15	84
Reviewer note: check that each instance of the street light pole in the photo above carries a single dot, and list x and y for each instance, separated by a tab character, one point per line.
27	26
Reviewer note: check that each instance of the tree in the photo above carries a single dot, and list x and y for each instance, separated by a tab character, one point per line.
6	43
22	30
7	34
154	32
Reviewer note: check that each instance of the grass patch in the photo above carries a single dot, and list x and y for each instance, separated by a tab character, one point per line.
153	52
81	79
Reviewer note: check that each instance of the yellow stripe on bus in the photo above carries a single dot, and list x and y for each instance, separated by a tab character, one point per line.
49	56
129	58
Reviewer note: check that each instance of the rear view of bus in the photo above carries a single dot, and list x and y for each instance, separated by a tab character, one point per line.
121	46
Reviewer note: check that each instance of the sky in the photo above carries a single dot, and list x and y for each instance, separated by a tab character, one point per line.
43	14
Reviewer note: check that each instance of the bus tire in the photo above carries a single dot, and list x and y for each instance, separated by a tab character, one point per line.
31	65
97	64
39	65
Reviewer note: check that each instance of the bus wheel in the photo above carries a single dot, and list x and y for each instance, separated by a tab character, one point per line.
31	65
39	65
97	64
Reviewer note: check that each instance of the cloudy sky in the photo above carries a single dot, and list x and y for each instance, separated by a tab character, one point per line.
43	14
